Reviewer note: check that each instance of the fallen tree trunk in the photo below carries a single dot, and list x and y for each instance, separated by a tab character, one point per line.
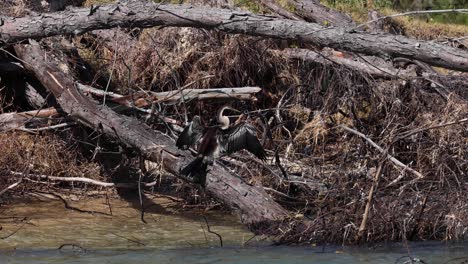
312	10
141	99
148	14
377	70
255	206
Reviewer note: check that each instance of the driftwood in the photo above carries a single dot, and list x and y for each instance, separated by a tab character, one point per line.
374	66
84	180
28	121
148	14
24	120
141	99
381	69
255	206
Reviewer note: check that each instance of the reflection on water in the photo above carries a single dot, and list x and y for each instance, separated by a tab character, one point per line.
170	237
49	225
427	253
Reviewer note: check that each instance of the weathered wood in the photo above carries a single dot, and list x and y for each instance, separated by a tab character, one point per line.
378	25
19	121
33	97
141	99
312	10
276	8
255	206
380	69
148	14
23	120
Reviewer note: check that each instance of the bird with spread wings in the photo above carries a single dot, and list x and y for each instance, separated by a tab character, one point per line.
216	140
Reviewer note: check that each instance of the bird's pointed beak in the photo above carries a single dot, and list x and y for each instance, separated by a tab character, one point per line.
233	109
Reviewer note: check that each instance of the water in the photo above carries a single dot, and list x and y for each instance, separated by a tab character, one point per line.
171	236
425	252
49	225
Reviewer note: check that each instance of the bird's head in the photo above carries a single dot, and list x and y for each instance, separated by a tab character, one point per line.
228	107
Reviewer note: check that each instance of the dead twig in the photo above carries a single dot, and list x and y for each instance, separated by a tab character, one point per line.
365	216
379	148
279	193
416	131
11	186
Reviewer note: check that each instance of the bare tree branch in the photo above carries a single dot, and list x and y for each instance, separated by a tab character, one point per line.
379	148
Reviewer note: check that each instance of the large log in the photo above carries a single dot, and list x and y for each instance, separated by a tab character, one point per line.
255	206
373	66
149	14
141	99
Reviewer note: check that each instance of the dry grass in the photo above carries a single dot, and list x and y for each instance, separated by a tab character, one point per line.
411	26
44	155
337	167
427	30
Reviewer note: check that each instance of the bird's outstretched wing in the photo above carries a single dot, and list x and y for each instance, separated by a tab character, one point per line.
191	134
243	136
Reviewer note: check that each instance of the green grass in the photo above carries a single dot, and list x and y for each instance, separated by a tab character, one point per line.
252	6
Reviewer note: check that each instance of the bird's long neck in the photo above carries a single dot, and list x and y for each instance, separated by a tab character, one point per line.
223	121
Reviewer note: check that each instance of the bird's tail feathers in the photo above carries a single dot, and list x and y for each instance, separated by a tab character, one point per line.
197	170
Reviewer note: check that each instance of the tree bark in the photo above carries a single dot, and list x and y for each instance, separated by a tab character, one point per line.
23	120
141	99
378	25
312	10
381	69
255	206
149	14
274	7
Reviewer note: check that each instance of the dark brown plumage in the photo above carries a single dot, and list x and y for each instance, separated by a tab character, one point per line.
215	141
